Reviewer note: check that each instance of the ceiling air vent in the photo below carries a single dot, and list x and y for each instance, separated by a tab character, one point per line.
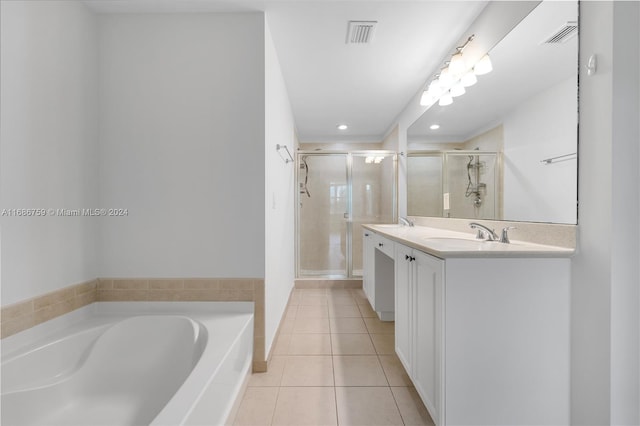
361	32
563	34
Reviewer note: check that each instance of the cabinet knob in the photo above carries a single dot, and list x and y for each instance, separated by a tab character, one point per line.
366	235
406	257
411	259
380	244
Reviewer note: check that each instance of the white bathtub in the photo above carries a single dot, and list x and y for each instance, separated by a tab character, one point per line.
129	363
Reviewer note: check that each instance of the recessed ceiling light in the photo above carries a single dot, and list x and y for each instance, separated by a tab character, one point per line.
434	126
342	127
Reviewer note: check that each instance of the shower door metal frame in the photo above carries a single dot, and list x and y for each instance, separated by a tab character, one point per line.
349	213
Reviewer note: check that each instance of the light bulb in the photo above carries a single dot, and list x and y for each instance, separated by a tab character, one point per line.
483	66
342	127
446	78
434	126
446	99
435	89
457	89
457	66
469	79
427	98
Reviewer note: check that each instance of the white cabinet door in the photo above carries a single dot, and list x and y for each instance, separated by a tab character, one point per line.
427	330
403	305
368	252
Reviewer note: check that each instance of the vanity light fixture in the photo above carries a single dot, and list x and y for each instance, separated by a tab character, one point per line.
457	65
483	66
446	77
445	99
457	89
469	78
427	98
454	77
434	126
342	127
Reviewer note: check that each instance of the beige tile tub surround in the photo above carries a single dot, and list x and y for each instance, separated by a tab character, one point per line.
24	315
28	313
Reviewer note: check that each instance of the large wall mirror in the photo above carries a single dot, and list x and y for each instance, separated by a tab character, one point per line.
507	148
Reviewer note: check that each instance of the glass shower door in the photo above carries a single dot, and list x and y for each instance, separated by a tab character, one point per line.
373	186
323	211
337	193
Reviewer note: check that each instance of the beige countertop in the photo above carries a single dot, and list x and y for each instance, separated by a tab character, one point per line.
444	243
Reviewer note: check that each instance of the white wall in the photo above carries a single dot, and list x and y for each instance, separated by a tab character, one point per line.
279	189
605	278
536	130
182	145
625	277
49	144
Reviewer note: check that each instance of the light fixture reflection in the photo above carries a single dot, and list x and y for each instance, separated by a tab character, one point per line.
445	78
427	98
469	79
457	66
455	76
457	90
445	99
434	126
373	160
483	66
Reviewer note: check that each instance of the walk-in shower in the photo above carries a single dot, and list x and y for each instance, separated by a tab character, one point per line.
457	183
336	193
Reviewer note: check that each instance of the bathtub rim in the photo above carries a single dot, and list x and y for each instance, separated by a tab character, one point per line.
78	320
97	314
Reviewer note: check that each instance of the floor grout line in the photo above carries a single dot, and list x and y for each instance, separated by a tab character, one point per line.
334	330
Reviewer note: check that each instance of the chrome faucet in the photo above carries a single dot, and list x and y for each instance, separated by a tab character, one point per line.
405	221
504	238
484	232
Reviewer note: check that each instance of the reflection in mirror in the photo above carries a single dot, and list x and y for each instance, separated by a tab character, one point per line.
487	158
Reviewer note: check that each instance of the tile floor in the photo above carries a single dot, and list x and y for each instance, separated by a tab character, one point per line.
333	364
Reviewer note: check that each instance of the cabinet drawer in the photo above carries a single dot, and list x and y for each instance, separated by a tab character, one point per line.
385	245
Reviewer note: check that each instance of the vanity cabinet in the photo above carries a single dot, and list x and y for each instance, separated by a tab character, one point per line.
485	340
378	274
418	322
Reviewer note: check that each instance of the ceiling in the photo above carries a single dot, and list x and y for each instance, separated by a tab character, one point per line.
330	82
